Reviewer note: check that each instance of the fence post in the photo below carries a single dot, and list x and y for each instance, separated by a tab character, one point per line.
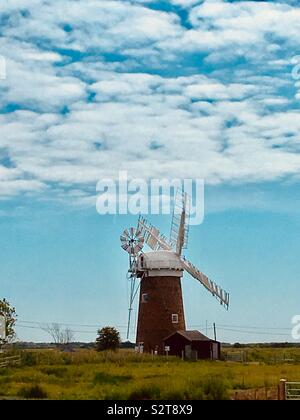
281	390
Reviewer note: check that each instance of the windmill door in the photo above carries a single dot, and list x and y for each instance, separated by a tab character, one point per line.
215	351
188	351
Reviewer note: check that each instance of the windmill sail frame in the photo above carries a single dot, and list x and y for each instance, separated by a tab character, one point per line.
221	295
156	242
179	234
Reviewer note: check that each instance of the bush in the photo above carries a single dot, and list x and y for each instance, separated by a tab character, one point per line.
108	339
213	388
34	392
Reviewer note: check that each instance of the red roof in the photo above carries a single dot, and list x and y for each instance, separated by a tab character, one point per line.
192	335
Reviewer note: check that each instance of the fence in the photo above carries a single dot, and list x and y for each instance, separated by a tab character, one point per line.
9	361
292	390
236	356
289	390
286	391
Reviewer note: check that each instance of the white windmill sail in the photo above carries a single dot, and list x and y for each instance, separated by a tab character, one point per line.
212	287
153	237
180	222
156	241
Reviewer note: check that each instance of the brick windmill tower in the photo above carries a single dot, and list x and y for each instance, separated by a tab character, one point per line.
157	274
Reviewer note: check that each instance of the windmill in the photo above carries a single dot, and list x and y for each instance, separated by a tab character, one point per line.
160	270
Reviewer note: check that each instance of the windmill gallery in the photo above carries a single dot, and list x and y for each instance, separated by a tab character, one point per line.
157	275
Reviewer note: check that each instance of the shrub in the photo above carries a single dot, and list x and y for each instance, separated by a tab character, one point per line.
108	339
214	388
34	392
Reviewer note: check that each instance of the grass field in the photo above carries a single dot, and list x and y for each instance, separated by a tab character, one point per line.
125	375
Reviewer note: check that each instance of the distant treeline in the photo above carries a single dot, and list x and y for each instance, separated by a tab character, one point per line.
262	345
129	345
75	345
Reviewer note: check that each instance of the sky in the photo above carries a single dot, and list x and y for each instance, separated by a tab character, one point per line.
161	89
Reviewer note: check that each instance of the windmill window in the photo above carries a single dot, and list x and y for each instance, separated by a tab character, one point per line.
145	297
174	318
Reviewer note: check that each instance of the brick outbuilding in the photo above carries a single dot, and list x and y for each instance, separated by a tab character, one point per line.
192	344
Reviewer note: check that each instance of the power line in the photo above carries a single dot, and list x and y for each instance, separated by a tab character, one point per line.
256	327
66	324
255	332
41	328
124	326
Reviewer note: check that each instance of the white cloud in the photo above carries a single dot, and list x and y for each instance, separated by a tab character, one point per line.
249	21
17	186
232	123
109	25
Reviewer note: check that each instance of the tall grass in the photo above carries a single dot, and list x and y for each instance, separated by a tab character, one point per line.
127	375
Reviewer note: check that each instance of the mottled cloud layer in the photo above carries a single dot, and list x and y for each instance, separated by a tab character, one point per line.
162	89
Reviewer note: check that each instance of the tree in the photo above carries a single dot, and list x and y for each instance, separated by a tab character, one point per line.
237	346
9	313
108	339
59	335
67	336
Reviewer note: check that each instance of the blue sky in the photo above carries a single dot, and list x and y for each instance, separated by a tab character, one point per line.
90	87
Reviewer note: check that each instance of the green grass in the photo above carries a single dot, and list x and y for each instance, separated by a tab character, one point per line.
126	375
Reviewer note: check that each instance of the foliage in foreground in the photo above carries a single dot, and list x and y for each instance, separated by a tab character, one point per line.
126	375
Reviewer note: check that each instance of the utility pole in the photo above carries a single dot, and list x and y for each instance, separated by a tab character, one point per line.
215	332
